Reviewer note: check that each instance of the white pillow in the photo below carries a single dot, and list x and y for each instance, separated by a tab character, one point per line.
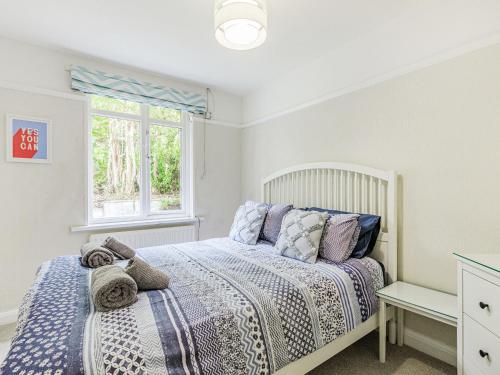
300	235
248	222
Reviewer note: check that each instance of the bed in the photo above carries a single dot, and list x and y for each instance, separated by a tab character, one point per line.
231	308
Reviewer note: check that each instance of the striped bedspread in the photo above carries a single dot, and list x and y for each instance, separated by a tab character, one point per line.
230	309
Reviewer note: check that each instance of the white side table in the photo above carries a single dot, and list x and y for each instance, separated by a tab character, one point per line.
423	301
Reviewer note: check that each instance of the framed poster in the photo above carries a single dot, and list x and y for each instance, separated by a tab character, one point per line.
28	139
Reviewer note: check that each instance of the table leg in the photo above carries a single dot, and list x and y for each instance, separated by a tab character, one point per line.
382	330
392	328
401	326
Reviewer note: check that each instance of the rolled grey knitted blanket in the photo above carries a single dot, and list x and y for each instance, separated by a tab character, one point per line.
146	277
112	288
94	255
118	248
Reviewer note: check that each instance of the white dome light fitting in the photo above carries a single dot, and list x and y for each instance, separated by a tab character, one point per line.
240	24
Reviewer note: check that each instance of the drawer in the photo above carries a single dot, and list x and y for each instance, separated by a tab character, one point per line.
476	339
471	369
481	301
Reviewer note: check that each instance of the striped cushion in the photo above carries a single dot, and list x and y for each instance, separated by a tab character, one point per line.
339	237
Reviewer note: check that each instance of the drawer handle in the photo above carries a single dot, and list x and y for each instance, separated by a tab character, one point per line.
483	305
484	354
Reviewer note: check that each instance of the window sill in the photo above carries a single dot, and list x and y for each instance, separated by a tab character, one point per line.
136	224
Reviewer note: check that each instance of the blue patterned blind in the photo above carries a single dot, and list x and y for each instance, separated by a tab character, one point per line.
99	83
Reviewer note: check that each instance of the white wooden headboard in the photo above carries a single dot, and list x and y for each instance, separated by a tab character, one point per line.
345	187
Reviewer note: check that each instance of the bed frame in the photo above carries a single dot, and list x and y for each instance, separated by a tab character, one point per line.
352	188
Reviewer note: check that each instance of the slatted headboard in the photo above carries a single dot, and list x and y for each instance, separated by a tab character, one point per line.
345	187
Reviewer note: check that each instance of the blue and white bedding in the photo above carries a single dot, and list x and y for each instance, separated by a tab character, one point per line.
230	309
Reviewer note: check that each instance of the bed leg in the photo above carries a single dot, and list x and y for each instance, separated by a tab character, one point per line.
382	331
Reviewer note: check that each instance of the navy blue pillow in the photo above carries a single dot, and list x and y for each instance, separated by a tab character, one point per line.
370	228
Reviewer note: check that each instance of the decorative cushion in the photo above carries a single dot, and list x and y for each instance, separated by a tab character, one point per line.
339	237
272	223
354	239
300	235
370	228
248	222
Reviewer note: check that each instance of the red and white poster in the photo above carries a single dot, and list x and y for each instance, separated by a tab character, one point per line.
28	139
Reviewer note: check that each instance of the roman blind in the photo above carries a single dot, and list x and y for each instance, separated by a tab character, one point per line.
119	87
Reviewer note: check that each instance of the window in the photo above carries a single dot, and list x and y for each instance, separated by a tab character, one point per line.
140	161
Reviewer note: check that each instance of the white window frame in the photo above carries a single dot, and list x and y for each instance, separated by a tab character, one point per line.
186	179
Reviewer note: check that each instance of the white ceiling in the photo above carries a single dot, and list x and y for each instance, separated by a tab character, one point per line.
175	37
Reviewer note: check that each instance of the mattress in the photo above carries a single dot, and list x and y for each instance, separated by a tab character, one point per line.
230	309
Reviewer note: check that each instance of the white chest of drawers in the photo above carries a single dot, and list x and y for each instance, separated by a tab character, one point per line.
478	329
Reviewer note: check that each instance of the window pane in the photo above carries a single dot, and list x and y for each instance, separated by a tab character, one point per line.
165	159
166	114
115	105
116	164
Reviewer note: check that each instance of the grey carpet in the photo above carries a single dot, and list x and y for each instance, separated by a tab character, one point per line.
362	358
6	333
359	358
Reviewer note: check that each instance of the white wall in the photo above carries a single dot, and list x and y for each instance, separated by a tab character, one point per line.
40	202
439	128
45	68
415	39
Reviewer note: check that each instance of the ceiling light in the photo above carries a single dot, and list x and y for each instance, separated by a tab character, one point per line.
240	24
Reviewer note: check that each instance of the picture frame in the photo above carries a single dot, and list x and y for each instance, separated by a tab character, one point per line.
28	139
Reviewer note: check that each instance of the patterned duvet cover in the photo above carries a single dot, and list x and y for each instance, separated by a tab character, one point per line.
230	309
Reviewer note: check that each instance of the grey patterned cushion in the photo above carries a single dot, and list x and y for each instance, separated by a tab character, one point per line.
272	223
339	237
248	222
300	235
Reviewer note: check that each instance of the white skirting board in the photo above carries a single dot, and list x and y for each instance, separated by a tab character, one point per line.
8	317
431	347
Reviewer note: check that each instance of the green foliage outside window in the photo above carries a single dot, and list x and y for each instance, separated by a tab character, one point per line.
165	158
115	105
116	157
165	114
116	152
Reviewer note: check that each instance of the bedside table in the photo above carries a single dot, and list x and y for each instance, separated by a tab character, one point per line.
478	333
419	300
